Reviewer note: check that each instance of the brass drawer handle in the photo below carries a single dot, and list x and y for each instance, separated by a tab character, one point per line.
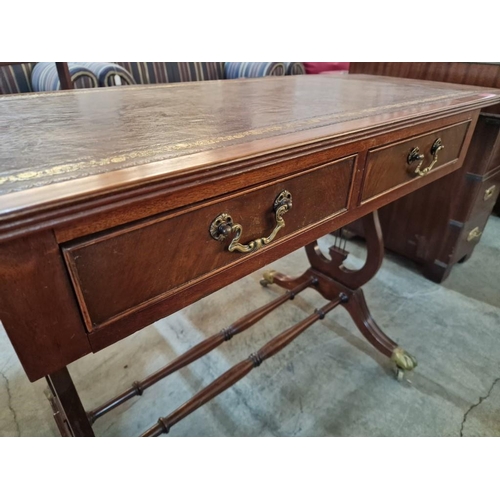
416	155
475	234
489	193
223	225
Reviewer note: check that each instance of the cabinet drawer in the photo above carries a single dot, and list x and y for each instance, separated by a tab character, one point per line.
470	234
388	167
486	195
120	271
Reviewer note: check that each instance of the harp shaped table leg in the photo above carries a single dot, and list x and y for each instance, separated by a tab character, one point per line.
333	280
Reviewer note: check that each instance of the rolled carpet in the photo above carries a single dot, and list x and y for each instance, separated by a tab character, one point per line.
294	68
44	77
109	74
253	69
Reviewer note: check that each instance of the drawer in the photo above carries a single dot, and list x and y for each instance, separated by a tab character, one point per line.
470	235
119	271
388	167
486	195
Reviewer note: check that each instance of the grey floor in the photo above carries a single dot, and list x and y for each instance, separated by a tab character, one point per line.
329	382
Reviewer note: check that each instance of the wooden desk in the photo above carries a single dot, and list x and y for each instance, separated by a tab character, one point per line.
441	224
120	206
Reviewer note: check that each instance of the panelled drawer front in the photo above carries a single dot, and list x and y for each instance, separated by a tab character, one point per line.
117	272
387	167
471	234
486	196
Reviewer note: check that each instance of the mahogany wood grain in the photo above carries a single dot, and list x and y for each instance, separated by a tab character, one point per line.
184	295
484	152
38	307
137	134
88	171
479	74
126	207
90	214
334	280
63	352
237	372
484	193
118	272
199	350
334	267
64	76
435	234
387	167
430	226
97	131
72	415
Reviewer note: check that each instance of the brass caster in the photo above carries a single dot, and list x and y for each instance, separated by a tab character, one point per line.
267	278
400	374
403	360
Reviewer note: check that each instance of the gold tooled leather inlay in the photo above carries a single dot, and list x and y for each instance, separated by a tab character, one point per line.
124	159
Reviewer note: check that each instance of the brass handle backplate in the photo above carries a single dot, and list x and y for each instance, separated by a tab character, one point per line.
475	234
223	225
416	156
489	193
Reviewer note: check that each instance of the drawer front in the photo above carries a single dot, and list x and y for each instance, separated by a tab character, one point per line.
486	196
471	235
388	167
117	272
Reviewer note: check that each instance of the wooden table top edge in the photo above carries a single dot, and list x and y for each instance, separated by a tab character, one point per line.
19	204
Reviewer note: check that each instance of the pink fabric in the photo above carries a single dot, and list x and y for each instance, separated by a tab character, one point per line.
314	68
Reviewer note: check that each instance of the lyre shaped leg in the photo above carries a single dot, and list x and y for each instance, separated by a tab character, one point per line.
349	278
334	280
358	309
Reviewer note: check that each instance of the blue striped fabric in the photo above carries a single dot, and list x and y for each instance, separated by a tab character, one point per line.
253	69
44	77
294	68
173	72
109	74
16	78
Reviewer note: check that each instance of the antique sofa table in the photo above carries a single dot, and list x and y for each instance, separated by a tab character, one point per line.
120	206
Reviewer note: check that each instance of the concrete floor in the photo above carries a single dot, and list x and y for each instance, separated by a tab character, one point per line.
329	382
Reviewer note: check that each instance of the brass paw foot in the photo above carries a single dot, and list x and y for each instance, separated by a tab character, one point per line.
404	361
267	278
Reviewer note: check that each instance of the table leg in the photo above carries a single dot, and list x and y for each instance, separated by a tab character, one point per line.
329	276
69	413
334	280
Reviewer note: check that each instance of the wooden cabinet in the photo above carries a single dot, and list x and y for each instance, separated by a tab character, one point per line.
440	224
